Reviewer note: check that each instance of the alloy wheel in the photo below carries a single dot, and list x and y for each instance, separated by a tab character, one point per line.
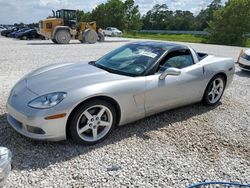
94	123
216	90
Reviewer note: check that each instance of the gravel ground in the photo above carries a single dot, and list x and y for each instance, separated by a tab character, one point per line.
171	149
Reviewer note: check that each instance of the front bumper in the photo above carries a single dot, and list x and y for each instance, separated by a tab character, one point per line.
37	127
31	122
118	34
244	64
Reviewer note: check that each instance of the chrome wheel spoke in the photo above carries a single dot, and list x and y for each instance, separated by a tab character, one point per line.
94	132
94	123
219	86
82	130
214	84
216	90
101	112
210	93
88	115
213	96
105	124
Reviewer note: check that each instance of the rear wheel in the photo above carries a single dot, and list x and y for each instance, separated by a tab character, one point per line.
62	37
92	122
214	90
24	38
90	36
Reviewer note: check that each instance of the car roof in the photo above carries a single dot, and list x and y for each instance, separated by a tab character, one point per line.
164	45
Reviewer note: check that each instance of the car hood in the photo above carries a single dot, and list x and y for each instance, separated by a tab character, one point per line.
67	77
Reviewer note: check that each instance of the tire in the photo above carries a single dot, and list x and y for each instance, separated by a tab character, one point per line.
24	38
87	127
54	40
101	37
62	37
214	90
90	36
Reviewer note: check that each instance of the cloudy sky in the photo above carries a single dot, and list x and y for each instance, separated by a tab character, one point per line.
27	11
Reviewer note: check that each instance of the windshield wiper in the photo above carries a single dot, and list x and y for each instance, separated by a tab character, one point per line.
104	68
91	63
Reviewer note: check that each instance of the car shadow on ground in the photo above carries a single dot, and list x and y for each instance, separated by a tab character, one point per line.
113	41
241	73
75	42
51	43
27	152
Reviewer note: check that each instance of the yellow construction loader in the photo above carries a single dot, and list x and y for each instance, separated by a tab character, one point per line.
62	27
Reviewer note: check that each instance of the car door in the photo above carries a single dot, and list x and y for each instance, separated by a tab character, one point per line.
174	91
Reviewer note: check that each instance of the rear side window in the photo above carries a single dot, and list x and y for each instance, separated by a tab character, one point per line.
245	56
177	59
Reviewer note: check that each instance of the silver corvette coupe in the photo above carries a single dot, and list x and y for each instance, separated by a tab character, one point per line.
85	101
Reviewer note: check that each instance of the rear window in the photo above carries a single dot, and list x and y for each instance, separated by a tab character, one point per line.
245	56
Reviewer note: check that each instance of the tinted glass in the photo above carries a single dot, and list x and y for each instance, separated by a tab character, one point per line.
177	59
245	56
131	60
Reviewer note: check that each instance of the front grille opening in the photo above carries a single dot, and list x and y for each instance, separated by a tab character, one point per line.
17	123
35	130
244	66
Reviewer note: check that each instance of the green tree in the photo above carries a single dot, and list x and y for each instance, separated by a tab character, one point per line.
132	16
231	23
183	20
206	15
81	16
110	14
158	18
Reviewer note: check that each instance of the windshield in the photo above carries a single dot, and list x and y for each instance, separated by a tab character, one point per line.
131	59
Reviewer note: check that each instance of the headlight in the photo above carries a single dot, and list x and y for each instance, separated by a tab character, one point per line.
47	101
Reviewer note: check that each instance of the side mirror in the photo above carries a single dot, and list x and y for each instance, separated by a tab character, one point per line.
170	71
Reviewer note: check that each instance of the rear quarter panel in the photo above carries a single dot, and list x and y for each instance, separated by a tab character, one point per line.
215	65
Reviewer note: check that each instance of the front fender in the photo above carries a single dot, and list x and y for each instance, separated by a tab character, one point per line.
129	95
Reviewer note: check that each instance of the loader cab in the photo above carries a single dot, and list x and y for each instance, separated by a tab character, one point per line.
69	17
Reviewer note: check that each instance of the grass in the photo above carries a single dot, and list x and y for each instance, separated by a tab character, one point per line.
167	37
248	43
171	37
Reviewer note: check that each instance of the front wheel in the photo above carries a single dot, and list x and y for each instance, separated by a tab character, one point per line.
90	36
92	122
62	37
214	90
24	38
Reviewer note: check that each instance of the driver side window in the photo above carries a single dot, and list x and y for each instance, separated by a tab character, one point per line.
176	59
